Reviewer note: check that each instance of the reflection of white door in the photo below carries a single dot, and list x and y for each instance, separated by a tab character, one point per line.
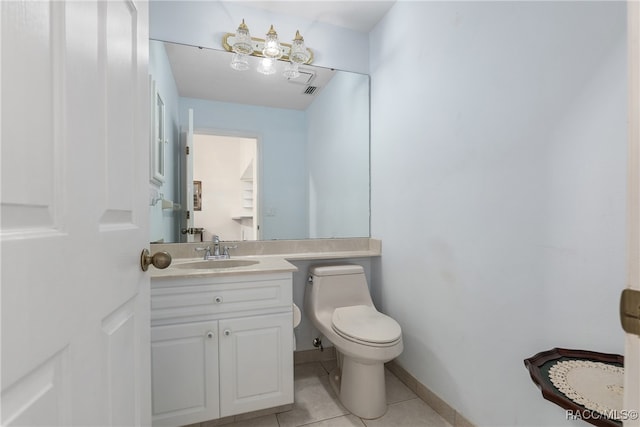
187	166
75	134
227	167
632	348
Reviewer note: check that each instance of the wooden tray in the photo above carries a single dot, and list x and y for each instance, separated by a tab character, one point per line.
539	365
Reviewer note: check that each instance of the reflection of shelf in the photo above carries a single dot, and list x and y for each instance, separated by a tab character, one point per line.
247	175
168	204
247	194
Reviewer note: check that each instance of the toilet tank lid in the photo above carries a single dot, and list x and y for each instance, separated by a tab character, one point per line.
336	270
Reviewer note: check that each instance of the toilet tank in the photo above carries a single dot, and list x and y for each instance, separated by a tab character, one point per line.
337	286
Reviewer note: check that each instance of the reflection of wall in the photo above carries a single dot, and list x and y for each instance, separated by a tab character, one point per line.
165	222
219	162
339	158
282	137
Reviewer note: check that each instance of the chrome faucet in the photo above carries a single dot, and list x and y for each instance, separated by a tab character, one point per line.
215	239
214	253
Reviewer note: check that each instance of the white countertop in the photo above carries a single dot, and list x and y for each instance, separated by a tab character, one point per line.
264	265
266	262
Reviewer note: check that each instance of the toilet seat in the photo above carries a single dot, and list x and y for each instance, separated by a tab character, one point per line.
366	325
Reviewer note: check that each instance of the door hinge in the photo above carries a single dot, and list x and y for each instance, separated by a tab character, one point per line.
188	214
630	311
186	150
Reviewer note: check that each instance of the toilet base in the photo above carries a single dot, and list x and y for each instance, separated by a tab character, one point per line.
360	387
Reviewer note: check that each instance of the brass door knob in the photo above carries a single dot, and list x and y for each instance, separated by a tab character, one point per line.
159	260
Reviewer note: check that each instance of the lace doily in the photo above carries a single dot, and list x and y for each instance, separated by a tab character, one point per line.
596	386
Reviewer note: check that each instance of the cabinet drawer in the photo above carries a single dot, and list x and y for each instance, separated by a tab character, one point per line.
212	299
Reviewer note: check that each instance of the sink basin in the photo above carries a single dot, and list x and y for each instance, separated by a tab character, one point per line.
217	263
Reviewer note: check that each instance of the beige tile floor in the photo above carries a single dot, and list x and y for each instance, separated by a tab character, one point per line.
316	405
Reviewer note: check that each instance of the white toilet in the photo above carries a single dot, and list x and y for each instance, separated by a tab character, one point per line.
338	303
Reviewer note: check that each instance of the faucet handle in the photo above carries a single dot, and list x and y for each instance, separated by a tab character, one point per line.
207	251
226	249
215	239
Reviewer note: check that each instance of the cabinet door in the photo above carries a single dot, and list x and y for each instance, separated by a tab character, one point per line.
256	363
184	373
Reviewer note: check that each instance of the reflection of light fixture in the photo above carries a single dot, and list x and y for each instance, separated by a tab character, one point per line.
291	71
297	55
267	66
243	45
272	48
240	62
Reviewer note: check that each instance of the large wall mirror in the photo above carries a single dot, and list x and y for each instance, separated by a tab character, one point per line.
272	158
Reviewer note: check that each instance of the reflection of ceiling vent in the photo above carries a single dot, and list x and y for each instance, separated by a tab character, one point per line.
305	77
310	90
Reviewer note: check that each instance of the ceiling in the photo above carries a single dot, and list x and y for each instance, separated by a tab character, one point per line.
358	15
205	74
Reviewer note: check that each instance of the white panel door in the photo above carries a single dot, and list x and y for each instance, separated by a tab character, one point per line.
256	363
74	216
632	347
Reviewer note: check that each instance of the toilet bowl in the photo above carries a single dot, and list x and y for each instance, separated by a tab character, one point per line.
338	303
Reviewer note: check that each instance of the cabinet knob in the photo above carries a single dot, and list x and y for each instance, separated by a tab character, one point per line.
227	332
210	335
218	300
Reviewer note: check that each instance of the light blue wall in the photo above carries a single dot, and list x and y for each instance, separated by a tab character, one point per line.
339	158
163	222
282	139
203	23
498	189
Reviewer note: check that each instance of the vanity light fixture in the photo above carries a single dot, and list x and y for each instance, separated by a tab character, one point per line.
299	53
242	48
272	48
242	45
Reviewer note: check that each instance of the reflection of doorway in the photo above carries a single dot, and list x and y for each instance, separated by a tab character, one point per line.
226	166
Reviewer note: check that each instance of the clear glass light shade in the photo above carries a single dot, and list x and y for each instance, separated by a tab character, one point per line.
240	62
291	71
299	53
242	43
272	48
267	66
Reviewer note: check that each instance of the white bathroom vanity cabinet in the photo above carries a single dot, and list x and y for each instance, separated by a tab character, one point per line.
220	346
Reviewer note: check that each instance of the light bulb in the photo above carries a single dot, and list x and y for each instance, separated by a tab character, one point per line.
272	48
